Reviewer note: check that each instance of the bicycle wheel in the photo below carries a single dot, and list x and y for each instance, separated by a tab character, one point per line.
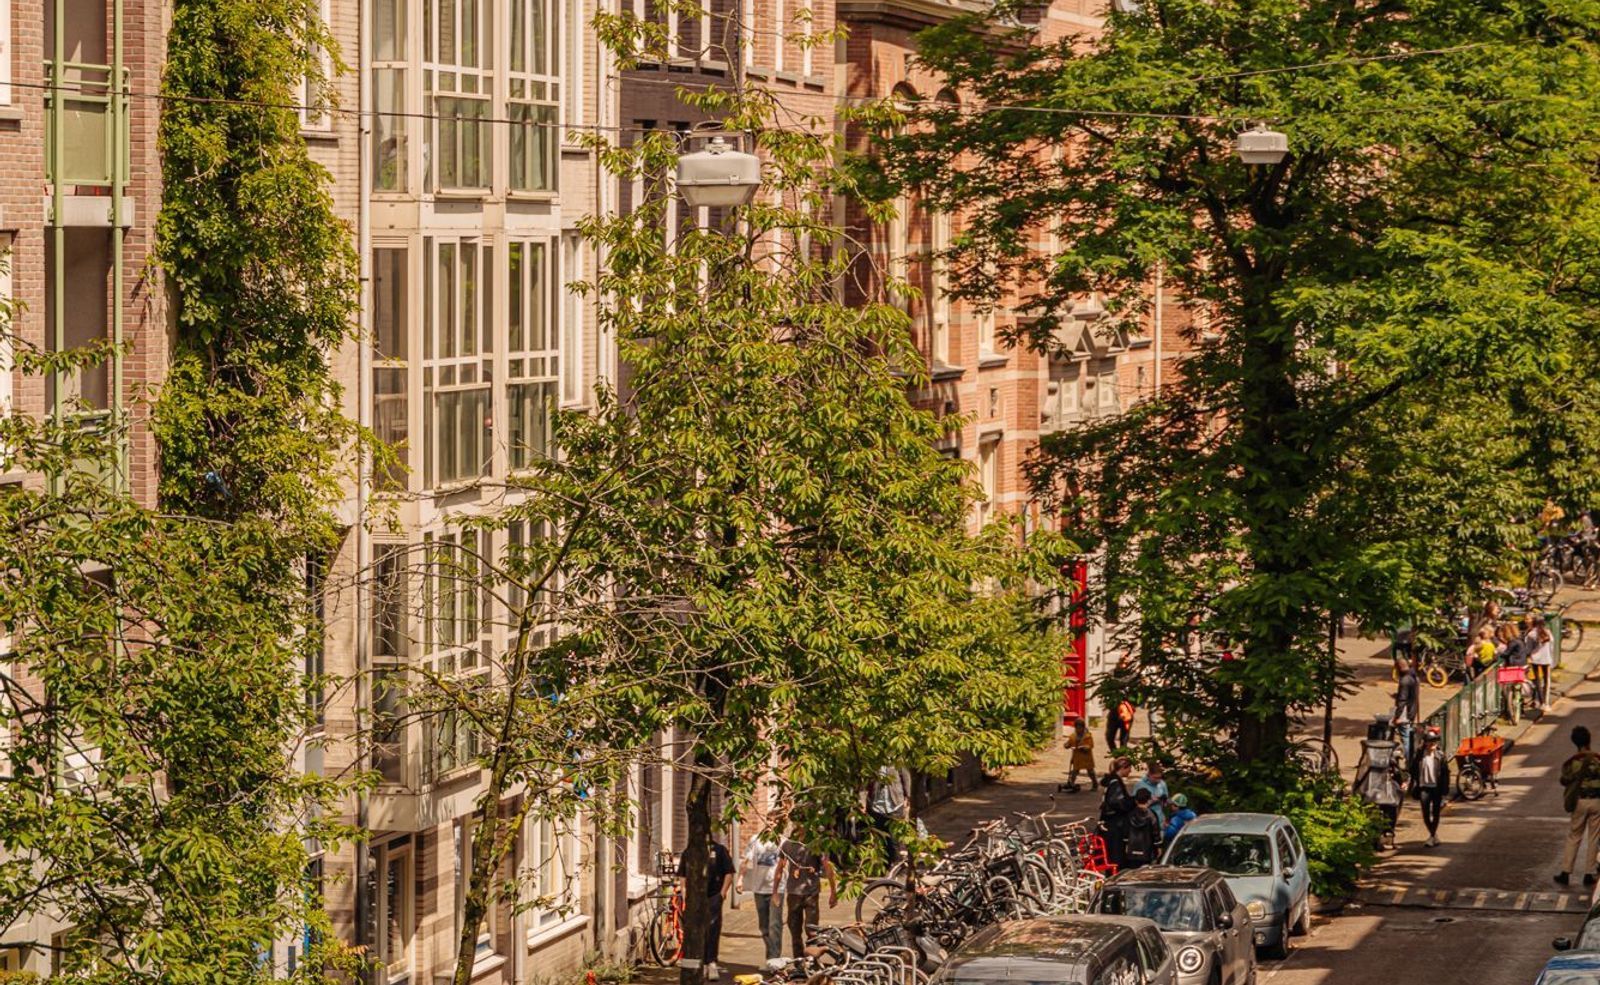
1571	635
666	937
1436	675
1469	781
1545	582
1037	880
880	897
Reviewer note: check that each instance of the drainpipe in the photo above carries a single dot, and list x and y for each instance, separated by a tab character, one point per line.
363	688
58	246
119	126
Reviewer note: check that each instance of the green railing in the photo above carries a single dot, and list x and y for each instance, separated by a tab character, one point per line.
1477	703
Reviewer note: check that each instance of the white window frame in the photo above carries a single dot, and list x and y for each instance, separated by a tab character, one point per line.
939	288
458	627
463	829
553	875
532	362
456	359
574	28
574	390
534	86
396	960
451	86
389	119
1106	398
988	475
315	115
392	366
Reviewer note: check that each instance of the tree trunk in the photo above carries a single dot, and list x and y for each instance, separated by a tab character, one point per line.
484	858
696	868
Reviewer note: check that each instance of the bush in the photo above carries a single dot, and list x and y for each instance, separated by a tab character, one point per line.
1340	831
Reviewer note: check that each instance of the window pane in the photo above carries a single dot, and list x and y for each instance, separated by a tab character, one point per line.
519	37
469	32
389	131
389	421
388	742
446	325
447	31
514	299
529	437
539	29
389	30
389	303
538	298
390	599
469	299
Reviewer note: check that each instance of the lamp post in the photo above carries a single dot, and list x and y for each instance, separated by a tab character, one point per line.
718	175
1260	145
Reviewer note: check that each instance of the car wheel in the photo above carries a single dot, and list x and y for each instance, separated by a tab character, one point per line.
1280	950
1302	927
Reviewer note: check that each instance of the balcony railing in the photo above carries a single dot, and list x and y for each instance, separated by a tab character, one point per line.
93	127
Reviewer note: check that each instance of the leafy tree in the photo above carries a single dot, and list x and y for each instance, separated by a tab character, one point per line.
1392	359
757	543
154	698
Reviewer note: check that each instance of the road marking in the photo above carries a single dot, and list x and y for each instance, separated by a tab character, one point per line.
1428	897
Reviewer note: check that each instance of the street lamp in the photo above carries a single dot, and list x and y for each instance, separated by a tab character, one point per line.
1259	145
718	175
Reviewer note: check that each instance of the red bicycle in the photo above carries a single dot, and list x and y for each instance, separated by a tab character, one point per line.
666	923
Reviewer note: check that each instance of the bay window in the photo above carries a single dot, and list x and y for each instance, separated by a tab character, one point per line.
390	365
389	145
533	362
456	638
533	96
458	83
457	371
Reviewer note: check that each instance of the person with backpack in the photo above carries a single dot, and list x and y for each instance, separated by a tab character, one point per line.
1115	807
1580	783
1144	833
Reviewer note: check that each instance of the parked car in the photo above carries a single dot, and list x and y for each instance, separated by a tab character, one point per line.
1077	950
1261	857
1209	930
1577	968
1588	936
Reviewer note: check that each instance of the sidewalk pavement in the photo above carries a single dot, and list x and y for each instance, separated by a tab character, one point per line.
1032	788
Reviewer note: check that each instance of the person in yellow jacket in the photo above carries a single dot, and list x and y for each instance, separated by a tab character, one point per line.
1081	742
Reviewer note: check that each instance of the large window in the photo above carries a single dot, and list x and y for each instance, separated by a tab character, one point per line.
533	95
390	634
457	367
314	109
572	317
457	79
389	146
533	364
553	859
396	907
390	362
456	632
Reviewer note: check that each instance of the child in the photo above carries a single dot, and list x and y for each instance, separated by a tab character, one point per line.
1182	814
1082	745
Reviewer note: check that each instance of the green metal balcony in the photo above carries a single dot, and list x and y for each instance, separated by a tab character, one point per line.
94	126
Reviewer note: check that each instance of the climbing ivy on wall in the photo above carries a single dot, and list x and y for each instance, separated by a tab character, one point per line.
262	271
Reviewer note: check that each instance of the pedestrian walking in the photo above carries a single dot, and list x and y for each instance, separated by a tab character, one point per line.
1118	725
1081	742
1406	705
721	880
1580	783
801	870
1115	806
760	880
1541	659
1157	788
1182	814
1144	833
1431	781
886	807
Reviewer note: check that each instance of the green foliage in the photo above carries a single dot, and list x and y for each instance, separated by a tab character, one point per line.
155	698
263	273
1398	364
1340	832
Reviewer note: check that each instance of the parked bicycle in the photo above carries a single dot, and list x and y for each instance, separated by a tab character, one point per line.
665	934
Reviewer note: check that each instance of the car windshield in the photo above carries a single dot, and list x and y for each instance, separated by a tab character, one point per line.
1231	855
1171	909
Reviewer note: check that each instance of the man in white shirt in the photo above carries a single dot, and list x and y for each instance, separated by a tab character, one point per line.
760	866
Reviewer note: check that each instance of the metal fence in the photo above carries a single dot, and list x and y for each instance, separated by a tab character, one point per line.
1477	703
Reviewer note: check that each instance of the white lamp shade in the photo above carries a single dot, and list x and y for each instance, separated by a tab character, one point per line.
1259	145
718	176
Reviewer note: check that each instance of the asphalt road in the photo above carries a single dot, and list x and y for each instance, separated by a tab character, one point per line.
1481	908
